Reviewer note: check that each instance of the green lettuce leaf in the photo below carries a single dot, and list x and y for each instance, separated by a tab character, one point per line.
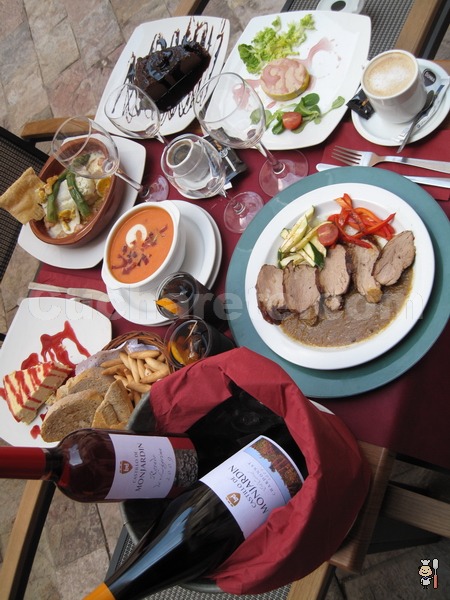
271	43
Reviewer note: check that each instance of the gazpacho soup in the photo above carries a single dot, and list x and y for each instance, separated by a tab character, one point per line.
141	244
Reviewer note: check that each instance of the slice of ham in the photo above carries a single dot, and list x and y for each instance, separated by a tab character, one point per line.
362	264
284	78
269	294
301	293
396	256
334	278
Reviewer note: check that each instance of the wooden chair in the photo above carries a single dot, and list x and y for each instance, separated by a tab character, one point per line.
385	500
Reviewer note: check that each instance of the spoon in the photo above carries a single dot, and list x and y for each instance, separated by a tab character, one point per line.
428	102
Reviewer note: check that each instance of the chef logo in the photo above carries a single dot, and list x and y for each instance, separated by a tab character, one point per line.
428	575
125	467
233	498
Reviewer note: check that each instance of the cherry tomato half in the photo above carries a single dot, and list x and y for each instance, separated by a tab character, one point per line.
328	234
292	120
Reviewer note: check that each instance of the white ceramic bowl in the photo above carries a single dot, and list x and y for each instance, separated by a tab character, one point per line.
171	263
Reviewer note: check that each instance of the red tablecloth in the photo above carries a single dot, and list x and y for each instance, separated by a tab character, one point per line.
410	415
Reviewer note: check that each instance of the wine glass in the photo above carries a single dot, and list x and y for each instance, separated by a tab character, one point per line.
232	112
85	148
135	114
193	165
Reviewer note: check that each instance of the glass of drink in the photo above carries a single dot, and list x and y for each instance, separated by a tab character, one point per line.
195	168
190	339
180	294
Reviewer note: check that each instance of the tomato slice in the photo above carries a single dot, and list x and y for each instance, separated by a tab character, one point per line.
328	234
291	120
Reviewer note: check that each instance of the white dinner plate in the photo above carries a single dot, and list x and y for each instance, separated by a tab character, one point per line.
382	203
211	32
202	249
132	161
378	131
35	319
335	54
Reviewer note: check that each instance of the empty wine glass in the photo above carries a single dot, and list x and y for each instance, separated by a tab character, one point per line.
135	114
232	112
195	168
84	147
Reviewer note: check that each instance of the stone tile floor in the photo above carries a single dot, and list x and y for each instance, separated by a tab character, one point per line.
56	57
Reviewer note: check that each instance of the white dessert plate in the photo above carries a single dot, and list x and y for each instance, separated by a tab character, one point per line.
382	203
211	32
378	131
30	337
132	161
203	247
334	53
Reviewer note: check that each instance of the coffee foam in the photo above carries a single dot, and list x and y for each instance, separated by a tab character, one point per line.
389	75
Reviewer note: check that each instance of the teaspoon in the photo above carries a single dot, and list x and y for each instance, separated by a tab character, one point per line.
428	102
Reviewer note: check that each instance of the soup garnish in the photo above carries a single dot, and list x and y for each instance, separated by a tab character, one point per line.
141	244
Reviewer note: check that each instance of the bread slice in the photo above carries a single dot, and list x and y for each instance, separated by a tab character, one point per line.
115	410
74	411
91	378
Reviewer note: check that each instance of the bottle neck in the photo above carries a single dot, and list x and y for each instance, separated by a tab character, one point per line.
24	463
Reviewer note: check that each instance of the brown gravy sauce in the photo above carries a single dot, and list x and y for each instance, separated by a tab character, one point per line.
357	321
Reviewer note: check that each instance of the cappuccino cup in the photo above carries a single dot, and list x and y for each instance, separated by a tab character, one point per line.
393	83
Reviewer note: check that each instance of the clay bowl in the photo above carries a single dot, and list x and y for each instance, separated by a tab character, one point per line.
95	225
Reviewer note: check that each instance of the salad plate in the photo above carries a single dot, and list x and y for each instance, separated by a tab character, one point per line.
334	53
202	260
132	161
380	202
348	381
37	319
378	131
211	32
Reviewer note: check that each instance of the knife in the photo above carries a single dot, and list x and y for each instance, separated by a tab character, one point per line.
76	292
443	182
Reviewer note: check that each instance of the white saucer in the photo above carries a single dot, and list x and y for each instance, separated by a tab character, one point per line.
202	260
377	131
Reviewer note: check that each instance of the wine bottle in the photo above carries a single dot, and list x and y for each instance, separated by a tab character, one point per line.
201	528
92	465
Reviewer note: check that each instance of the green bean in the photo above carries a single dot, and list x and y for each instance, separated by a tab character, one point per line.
78	198
82	160
51	216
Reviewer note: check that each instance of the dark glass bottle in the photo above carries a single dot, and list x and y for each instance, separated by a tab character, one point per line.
201	528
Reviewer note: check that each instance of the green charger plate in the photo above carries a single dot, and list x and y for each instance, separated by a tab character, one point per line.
390	365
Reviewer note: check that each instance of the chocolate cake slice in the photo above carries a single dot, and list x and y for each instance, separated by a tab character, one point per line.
169	74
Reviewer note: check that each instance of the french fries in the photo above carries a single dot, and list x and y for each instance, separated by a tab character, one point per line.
137	370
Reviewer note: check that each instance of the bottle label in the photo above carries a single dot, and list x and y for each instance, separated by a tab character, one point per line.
146	466
255	481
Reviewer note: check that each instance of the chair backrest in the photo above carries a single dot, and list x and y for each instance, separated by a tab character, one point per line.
16	155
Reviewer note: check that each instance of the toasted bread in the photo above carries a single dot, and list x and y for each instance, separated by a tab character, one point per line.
115	410
92	378
74	411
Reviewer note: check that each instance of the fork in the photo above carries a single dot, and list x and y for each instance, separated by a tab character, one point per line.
370	159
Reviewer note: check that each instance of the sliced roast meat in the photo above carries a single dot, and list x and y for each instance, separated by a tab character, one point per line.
269	293
396	256
334	278
301	292
362	264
